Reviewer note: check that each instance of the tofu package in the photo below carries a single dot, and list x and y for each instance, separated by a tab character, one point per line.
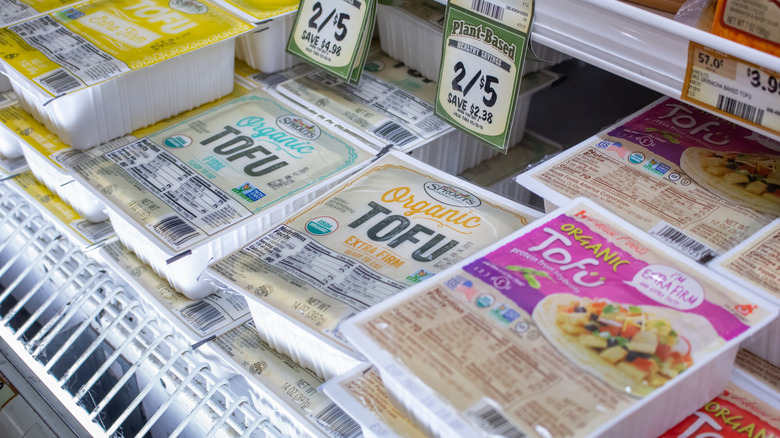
202	188
393	104
100	69
396	223
696	182
362	393
578	325
755	264
413	32
264	47
49	158
748	407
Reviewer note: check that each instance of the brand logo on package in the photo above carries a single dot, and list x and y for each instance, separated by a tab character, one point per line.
249	192
299	127
188	6
177	141
451	195
320	226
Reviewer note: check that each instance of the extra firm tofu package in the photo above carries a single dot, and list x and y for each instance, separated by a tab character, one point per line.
696	182
49	158
755	263
264	47
202	188
282	386
394	105
748	407
103	68
579	325
396	223
362	393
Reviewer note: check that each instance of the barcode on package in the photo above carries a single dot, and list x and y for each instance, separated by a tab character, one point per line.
337	423
683	242
174	230
394	133
94	231
740	109
202	315
59	81
487	8
492	421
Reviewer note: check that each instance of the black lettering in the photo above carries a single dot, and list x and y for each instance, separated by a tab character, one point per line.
420	256
375	209
373	232
409	235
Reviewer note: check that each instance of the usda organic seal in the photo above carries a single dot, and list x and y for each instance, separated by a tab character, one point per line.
320	226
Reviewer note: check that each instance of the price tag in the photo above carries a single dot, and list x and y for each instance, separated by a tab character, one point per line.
482	62
732	87
334	35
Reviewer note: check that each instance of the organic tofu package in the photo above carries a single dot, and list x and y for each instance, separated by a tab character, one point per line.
748	407
694	181
579	325
394	105
84	233
264	47
102	68
199	189
361	393
49	158
282	388
395	224
755	263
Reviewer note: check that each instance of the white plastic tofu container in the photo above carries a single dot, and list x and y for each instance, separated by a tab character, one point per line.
10	144
264	47
394	105
392	225
285	386
361	393
89	81
755	263
651	168
86	234
199	189
413	32
512	340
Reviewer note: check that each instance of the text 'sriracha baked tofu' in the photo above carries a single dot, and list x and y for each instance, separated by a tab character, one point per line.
199	189
394	224
692	180
100	69
578	325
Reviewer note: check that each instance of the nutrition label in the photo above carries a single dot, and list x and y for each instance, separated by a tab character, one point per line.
84	62
333	274
193	197
12	11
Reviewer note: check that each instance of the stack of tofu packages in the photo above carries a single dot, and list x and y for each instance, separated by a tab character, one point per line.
312	238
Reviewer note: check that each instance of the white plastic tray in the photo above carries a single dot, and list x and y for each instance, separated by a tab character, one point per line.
647	416
264	47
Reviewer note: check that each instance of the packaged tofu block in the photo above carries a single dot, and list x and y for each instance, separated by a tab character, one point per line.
394	105
696	182
264	47
579	325
85	233
49	158
755	263
362	393
393	225
748	407
103	68
285	386
200	189
199	320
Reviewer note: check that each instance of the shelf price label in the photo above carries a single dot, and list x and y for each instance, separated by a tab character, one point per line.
334	35
732	87
482	61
